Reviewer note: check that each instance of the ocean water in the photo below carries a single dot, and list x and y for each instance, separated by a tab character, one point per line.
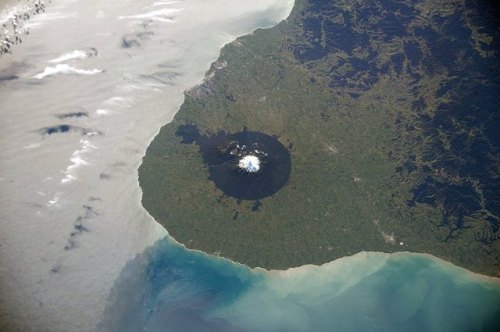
168	288
80	99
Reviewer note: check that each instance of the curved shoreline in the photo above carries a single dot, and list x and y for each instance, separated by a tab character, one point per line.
472	276
70	224
209	71
217	78
403	288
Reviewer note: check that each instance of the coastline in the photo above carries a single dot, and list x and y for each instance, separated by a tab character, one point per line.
83	199
89	228
336	264
465	274
406	289
409	227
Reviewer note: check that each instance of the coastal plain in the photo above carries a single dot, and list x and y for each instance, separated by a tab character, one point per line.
387	110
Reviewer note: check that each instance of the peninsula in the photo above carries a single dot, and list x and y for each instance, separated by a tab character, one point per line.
381	118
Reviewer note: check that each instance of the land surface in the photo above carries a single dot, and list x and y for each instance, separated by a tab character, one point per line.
388	110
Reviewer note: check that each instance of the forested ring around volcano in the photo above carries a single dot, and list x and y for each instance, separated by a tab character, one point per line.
389	111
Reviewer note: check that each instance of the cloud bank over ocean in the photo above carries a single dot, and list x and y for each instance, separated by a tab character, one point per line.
81	97
76	245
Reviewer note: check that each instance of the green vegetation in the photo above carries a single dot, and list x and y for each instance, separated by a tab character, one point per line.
354	114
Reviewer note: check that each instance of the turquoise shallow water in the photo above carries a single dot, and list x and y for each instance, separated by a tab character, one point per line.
169	288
